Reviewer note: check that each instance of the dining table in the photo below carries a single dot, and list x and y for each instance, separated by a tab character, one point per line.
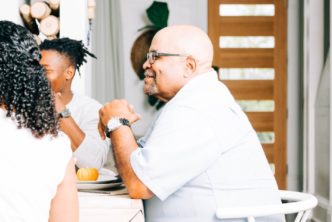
109	206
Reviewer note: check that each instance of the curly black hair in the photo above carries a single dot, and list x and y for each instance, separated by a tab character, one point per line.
74	50
24	90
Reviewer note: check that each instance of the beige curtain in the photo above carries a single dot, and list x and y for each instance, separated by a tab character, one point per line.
107	70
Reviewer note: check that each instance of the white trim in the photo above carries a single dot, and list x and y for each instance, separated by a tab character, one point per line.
323	202
314	61
294	97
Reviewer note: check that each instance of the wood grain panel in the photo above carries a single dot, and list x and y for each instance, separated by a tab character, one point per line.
257	58
246	25
213	28
250	89
245	1
261	121
280	97
269	151
244	58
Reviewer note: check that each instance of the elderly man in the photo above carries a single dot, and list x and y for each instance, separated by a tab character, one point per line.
201	152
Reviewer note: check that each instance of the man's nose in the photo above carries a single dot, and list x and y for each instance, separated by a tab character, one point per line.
146	64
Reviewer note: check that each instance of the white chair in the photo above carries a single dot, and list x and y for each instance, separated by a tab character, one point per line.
297	202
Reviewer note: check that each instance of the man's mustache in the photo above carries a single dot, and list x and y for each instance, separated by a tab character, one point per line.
149	74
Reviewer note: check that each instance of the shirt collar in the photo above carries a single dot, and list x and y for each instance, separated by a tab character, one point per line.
208	76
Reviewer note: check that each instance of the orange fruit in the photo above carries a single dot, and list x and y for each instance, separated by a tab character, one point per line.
87	174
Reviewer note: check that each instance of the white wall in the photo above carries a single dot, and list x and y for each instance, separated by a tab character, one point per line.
134	17
9	10
74	25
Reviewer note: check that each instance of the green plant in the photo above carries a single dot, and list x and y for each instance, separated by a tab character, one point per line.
158	15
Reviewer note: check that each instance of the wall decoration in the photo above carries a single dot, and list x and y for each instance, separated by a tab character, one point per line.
42	18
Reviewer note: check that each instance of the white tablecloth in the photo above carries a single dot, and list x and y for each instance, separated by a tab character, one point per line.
107	208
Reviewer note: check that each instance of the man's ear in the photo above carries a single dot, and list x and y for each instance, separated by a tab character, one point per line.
191	64
70	72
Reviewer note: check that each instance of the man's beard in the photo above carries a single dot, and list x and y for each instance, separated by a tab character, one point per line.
150	85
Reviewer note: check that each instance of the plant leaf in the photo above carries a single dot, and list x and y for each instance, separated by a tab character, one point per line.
148	27
158	14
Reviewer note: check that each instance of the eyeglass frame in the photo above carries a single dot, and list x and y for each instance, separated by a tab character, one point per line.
153	55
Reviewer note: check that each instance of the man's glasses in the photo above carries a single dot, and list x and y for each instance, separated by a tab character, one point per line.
154	55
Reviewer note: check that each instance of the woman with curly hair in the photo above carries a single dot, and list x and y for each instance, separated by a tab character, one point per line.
38	177
79	114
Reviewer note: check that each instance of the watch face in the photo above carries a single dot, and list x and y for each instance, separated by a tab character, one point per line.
65	113
114	123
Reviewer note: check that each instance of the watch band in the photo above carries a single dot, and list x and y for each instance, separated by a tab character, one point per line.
65	113
125	122
114	123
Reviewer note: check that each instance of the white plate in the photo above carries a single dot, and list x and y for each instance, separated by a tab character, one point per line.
101	179
106	179
97	186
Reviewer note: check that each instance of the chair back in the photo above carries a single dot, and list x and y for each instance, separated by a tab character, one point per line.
297	202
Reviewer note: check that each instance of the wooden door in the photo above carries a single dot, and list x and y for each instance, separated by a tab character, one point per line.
250	44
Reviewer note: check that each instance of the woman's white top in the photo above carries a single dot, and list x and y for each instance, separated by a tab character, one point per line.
31	170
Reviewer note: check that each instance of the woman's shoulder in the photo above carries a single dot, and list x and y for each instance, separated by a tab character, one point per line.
59	144
57	152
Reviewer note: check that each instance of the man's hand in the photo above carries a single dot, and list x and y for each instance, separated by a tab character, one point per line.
116	108
59	104
123	144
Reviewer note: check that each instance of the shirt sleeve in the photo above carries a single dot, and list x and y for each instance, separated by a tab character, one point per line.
92	152
177	150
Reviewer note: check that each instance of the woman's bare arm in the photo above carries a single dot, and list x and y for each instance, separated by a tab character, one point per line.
64	206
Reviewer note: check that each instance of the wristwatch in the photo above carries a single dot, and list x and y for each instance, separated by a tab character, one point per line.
115	123
65	113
